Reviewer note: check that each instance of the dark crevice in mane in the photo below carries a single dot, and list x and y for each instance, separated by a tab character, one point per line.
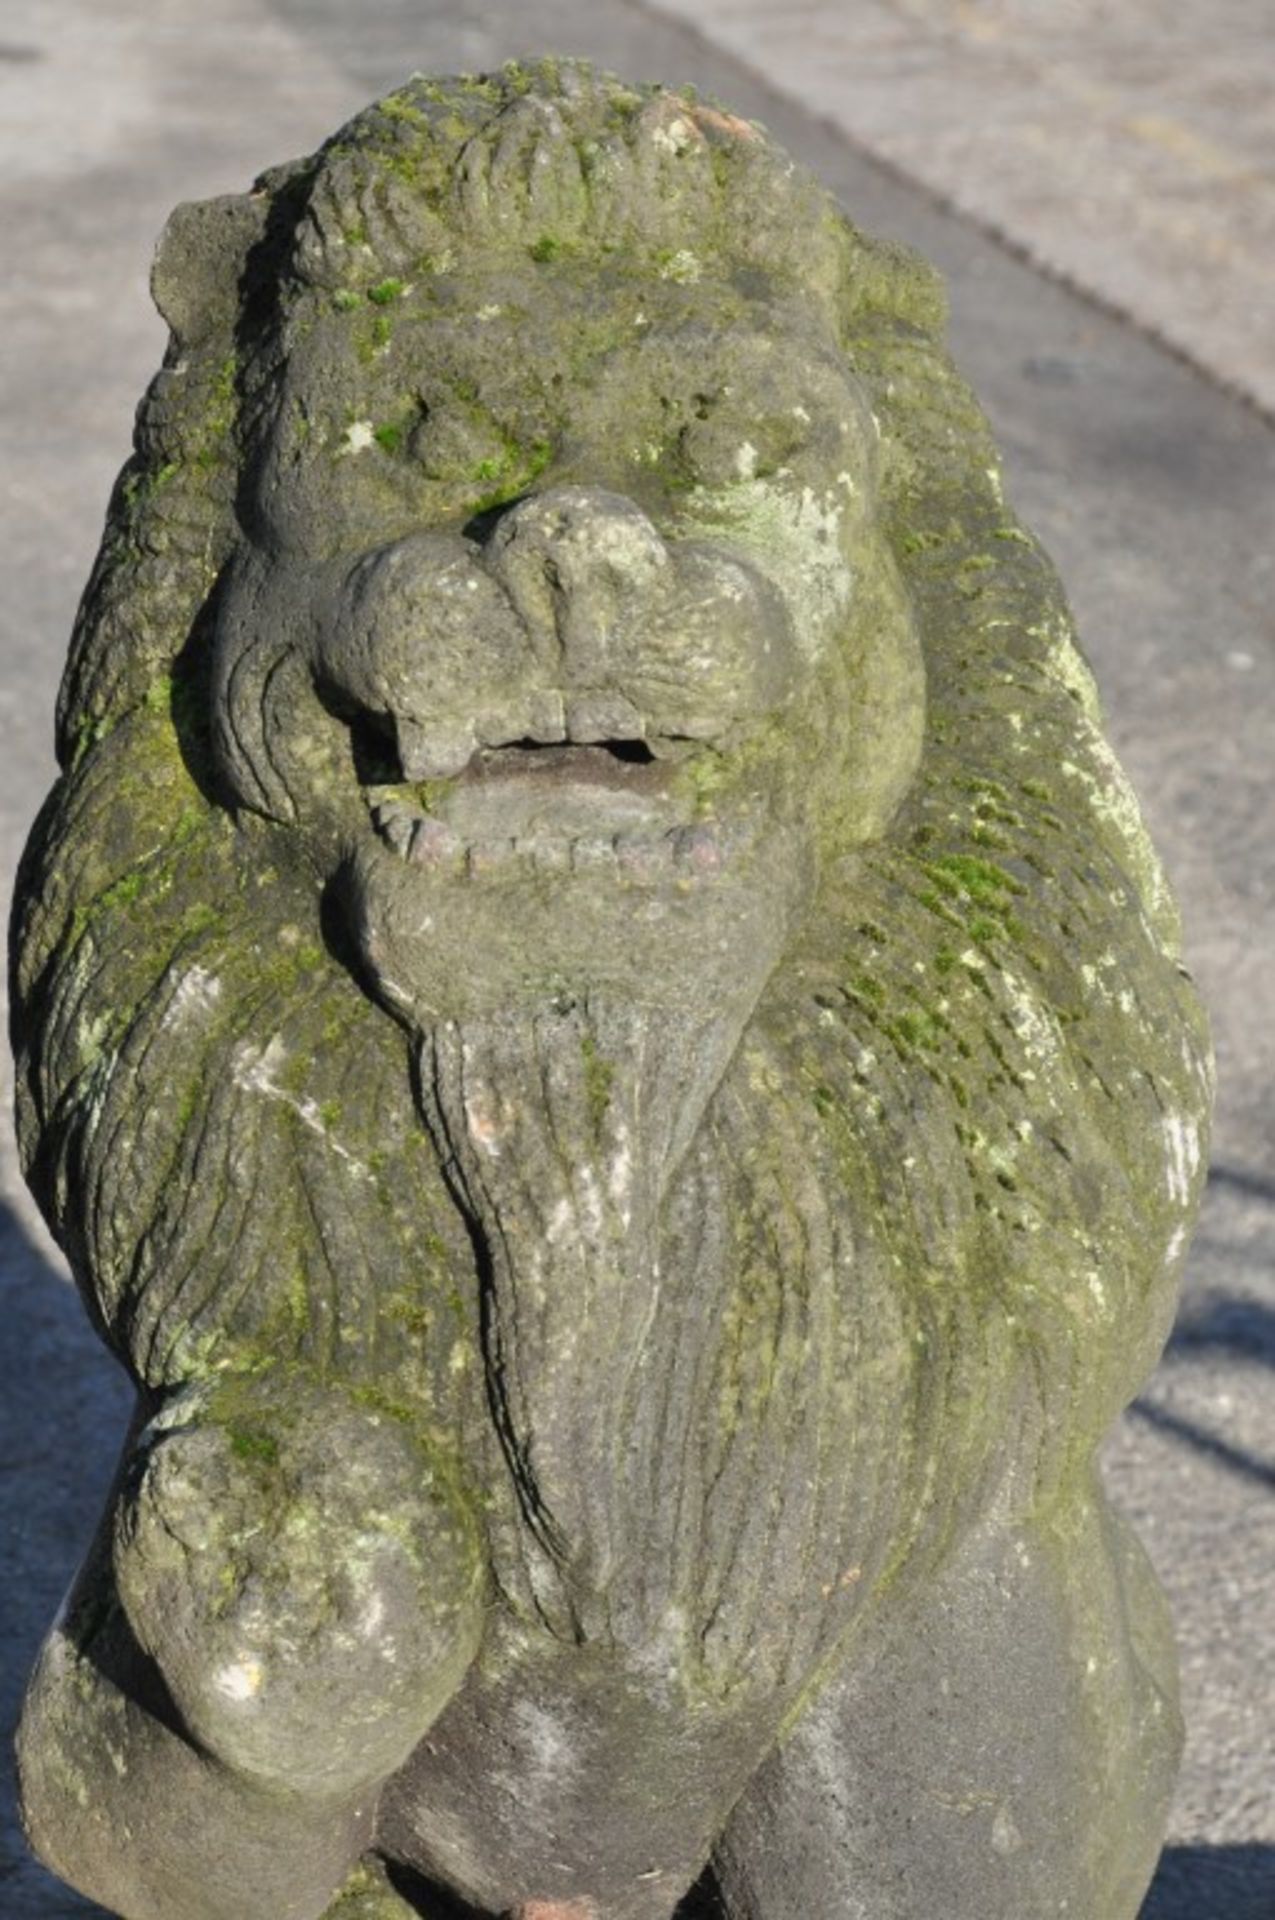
265	291
191	700
539	1520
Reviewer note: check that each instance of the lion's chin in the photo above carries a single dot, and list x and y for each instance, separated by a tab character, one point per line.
696	922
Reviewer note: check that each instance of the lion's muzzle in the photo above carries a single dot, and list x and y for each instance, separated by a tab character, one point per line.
574	620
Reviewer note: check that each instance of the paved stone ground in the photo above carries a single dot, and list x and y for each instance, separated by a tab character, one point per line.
1150	487
1130	149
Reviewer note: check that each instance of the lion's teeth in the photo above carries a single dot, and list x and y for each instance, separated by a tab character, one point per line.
434	753
486	855
641	856
396	824
500	725
603	716
429	842
432	843
547	854
588	854
697	849
697	726
546	721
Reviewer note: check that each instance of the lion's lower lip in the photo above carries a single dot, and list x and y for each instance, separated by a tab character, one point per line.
421	840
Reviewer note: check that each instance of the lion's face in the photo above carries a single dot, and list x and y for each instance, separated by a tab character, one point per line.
539	640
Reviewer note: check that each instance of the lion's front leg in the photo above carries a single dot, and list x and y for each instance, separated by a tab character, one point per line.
283	1598
1008	1755
121	1804
305	1576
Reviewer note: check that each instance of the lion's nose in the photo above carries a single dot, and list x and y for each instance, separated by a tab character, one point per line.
580	564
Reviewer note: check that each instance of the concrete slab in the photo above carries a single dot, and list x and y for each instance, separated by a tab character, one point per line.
1129	150
1153	493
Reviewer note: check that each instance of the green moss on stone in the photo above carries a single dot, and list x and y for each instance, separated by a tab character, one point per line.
599	1074
253	1444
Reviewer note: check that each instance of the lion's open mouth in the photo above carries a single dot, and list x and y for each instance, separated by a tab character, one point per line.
556	806
444	748
628	765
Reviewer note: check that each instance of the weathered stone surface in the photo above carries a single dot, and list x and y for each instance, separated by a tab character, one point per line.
601	1031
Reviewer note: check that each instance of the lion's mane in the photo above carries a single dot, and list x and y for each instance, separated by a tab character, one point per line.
982	1041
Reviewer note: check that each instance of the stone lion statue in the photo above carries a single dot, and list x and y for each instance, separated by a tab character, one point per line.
604	1040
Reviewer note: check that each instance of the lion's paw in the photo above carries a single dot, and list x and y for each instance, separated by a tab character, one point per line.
304	1576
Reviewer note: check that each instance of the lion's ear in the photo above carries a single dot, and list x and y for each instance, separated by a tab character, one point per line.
887	279
199	262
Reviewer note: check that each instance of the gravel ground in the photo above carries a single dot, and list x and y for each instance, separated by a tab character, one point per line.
1151	488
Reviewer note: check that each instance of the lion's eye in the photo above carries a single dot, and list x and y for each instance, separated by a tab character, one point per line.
730	443
454	447
481	462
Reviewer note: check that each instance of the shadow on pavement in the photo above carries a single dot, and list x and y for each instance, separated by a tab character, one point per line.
1242	1328
1261	1472
63	1411
1213	1883
1224	1327
1256	1185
